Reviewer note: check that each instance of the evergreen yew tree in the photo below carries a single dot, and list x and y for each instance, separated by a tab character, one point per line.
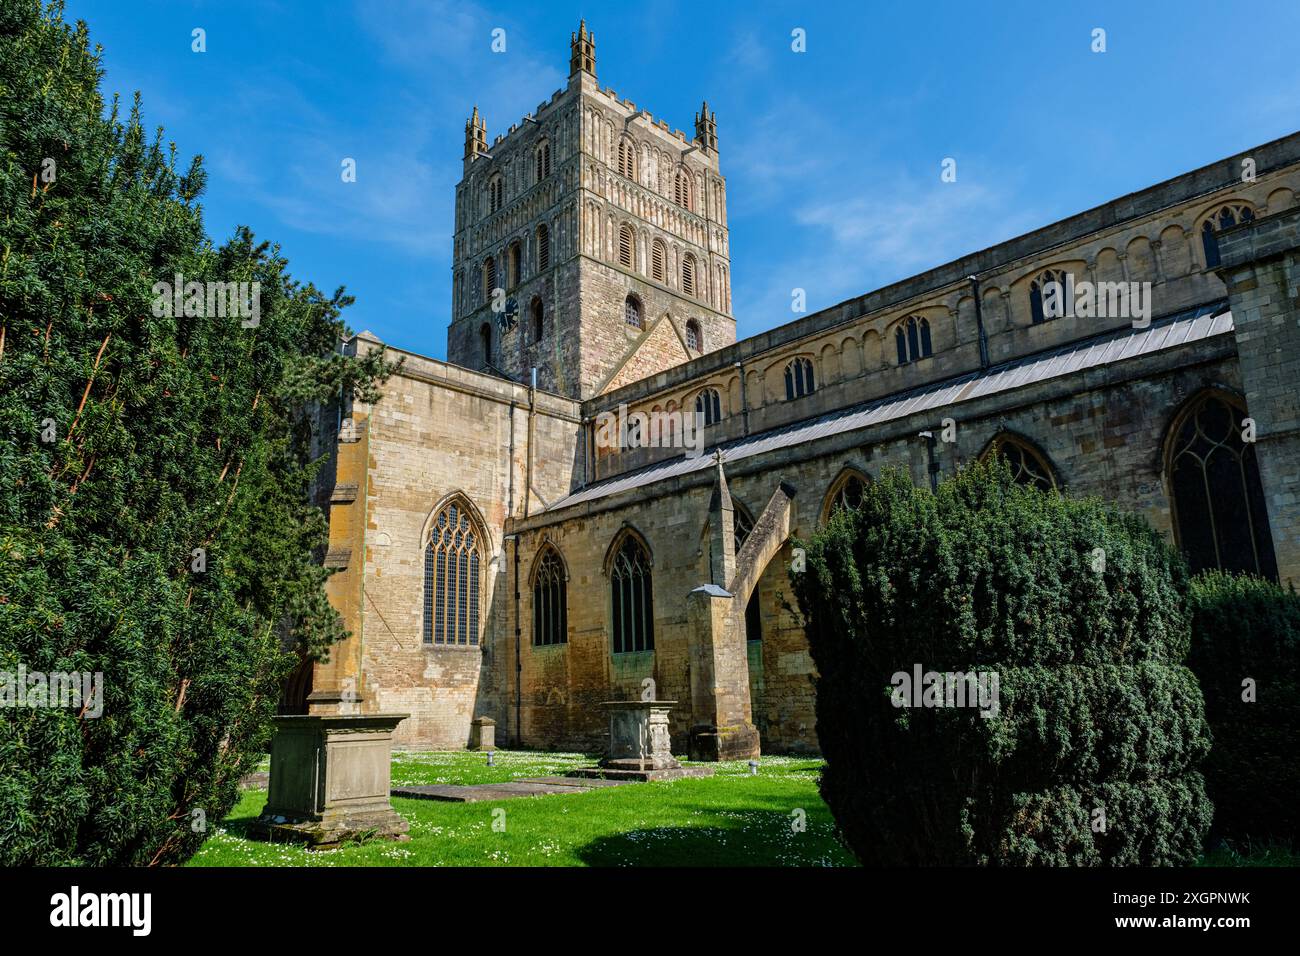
155	518
1091	754
1246	652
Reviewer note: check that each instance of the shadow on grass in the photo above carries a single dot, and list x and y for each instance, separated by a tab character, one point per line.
241	827
756	838
664	846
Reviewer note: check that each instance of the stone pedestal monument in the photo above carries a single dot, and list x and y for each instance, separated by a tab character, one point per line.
330	780
640	746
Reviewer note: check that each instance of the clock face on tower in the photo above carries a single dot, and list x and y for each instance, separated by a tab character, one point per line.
509	317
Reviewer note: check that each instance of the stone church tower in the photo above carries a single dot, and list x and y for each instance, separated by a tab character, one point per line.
591	242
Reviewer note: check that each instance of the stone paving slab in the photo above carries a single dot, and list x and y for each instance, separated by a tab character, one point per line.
484	791
578	783
258	780
639	776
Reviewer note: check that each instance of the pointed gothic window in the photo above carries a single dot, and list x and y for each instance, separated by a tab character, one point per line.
658	257
799	379
550	601
489	277
1029	466
626	246
709	404
631	599
1230	215
496	193
1218	500
846	493
451	579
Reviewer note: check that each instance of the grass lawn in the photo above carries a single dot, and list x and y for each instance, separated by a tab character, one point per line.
730	819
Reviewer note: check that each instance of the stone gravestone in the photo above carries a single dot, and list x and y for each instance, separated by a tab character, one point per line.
330	780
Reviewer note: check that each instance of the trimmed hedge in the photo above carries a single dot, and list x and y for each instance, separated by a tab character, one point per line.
1095	711
1246	627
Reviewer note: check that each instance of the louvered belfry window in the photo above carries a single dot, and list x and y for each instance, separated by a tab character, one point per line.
626	246
451	579
682	191
543	248
626	159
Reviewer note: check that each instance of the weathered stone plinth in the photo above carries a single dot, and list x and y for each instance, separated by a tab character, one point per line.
640	746
736	742
330	780
483	734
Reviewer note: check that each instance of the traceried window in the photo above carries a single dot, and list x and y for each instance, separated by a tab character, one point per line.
912	337
543	248
451	579
1213	475
550	601
1037	291
846	493
627	158
799	379
682	189
632	312
1028	464
543	161
489	277
688	274
693	337
631	598
496	193
1230	215
658	260
627	246
709	404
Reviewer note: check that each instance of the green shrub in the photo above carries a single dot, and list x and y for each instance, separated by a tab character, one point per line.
1076	608
1247	628
129	441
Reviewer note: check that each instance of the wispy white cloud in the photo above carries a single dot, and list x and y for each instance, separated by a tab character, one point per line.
858	228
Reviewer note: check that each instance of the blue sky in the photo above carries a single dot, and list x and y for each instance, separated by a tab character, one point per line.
832	156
